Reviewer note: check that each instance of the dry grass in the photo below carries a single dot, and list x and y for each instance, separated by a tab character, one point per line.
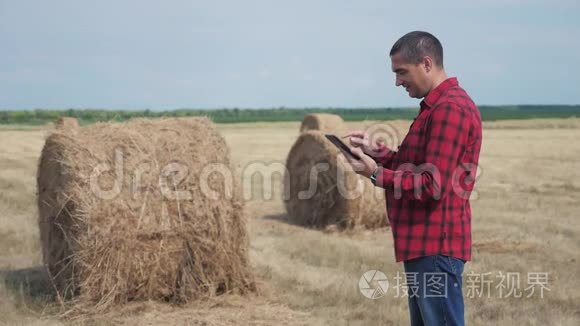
525	220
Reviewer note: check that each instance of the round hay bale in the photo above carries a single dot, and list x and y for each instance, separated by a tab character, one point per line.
323	122
66	123
320	191
124	215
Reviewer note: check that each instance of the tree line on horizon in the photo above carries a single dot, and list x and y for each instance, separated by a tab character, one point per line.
233	115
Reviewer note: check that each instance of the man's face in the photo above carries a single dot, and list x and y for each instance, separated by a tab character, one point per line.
412	76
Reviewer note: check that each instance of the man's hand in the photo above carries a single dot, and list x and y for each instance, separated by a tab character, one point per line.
365	166
361	139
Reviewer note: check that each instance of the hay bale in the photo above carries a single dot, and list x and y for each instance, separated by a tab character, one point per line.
119	221
66	123
337	196
323	122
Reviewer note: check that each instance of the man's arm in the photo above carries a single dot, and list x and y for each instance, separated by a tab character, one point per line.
447	135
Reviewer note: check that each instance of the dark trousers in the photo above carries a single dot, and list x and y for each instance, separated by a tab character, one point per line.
434	287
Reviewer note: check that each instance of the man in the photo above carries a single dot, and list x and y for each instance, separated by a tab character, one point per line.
428	180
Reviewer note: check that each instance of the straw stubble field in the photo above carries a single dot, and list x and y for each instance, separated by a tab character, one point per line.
525	220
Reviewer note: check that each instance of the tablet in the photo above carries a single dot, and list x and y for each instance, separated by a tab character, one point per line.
342	146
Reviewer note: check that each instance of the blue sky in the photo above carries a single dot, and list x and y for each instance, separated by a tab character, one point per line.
207	54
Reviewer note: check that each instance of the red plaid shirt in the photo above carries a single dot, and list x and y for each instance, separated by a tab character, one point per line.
429	179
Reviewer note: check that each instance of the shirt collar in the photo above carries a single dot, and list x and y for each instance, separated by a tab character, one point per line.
436	93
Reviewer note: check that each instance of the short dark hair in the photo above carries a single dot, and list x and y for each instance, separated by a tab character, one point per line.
414	46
